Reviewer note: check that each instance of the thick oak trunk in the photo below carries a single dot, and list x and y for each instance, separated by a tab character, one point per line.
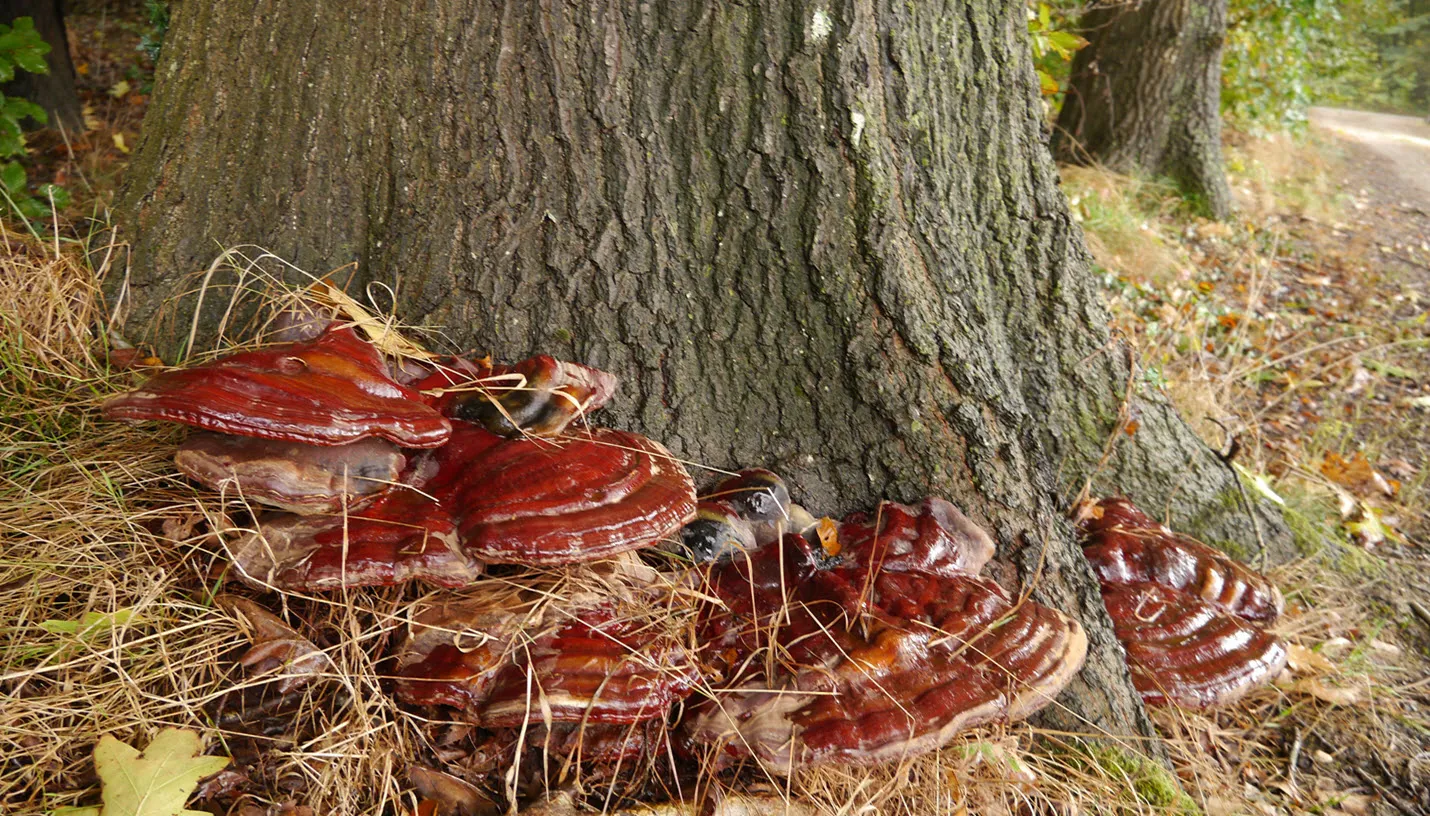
1145	93
824	239
55	91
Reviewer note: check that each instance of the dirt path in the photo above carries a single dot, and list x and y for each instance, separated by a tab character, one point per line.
1400	143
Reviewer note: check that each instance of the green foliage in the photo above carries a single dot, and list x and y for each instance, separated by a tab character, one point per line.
1053	45
1283	56
153	38
22	47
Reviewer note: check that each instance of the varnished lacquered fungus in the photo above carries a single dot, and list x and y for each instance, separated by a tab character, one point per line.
503	666
1184	564
329	391
291	475
847	660
1185	650
932	536
400	536
1187	615
539	396
587	496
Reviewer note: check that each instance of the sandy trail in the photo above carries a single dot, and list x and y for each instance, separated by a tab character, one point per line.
1402	142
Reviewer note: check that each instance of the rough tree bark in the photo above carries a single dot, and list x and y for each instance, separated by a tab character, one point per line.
825	239
55	91
1145	94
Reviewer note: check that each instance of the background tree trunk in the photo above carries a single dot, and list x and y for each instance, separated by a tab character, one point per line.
55	91
1145	95
825	239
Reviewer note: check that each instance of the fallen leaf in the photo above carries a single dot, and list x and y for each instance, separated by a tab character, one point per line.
276	645
119	143
1391	370
1308	661
156	782
449	795
120	89
1335	695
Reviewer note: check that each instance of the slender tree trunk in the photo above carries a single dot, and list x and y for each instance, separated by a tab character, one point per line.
1145	95
825	239
55	91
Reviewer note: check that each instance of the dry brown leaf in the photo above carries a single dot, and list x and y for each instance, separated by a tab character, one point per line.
1335	695
1308	661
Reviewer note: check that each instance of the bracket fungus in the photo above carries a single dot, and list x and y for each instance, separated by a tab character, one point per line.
506	661
1189	617
291	475
587	496
327	391
881	652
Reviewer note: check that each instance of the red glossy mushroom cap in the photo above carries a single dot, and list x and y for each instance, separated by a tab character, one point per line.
328	391
403	535
532	501
932	536
1184	650
1125	546
858	663
291	475
1180	563
504	666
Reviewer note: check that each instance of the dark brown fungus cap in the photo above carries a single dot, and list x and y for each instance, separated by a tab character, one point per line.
328	391
504	665
747	510
539	396
291	475
1184	650
587	496
860	663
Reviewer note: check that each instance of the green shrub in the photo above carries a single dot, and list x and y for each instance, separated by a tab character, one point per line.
22	47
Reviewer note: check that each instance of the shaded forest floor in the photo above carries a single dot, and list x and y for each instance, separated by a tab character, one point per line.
1295	335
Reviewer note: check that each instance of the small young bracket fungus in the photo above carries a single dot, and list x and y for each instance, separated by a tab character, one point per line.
291	475
588	496
882	653
540	397
932	536
503	667
1188	616
748	510
328	391
1187	651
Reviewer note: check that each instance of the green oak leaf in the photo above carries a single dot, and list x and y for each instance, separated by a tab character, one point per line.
156	782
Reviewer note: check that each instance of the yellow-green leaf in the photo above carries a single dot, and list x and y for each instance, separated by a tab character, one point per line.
156	782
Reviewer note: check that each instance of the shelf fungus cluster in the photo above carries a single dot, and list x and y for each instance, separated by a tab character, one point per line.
1191	619
383	483
770	637
860	642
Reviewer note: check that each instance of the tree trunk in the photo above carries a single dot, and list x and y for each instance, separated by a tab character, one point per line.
55	91
826	240
1145	95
